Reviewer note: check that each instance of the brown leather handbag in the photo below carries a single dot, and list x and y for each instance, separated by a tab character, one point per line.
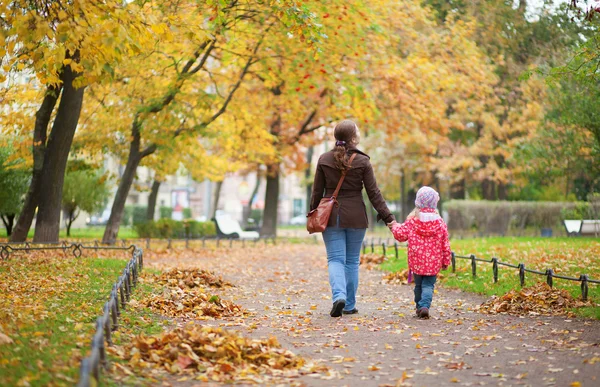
317	219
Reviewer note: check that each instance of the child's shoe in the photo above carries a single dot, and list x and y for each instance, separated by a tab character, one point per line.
424	313
418	312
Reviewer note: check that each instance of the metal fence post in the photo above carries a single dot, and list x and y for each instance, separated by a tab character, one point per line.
383	247
453	261
364	247
584	287
372	245
473	265
522	274
396	248
495	269
549	274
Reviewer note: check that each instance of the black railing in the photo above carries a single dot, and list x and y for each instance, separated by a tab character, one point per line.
548	273
496	263
120	294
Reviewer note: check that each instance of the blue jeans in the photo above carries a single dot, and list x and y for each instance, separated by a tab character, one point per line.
343	257
424	285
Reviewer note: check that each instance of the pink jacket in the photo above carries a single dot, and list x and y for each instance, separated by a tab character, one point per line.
428	244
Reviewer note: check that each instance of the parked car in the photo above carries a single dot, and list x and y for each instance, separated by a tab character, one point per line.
299	220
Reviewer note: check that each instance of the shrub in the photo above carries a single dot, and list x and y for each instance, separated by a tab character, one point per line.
165	212
139	214
502	217
187	213
127	212
581	210
168	228
200	229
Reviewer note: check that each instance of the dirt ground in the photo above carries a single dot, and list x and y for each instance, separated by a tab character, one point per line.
286	288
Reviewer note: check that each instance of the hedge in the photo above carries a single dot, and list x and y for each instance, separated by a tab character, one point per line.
168	228
165	212
503	217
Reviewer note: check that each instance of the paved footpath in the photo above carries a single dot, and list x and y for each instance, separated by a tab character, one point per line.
384	345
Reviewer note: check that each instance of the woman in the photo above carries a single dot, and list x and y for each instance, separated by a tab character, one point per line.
348	223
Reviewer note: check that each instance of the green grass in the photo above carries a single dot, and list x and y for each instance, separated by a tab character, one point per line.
95	232
566	256
48	307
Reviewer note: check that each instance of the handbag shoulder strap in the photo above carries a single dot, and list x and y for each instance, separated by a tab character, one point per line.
337	189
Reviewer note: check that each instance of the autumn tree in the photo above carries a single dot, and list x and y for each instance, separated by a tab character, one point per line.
175	91
65	46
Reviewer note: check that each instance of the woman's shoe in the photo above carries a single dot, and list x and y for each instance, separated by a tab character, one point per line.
353	311
338	307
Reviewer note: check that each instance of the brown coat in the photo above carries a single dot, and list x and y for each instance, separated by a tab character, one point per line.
352	210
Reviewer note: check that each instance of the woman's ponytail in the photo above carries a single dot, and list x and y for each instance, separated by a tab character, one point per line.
345	133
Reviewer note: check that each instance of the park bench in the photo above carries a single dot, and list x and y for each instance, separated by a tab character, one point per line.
582	227
227	227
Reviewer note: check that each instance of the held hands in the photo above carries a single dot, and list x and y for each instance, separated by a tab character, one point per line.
391	225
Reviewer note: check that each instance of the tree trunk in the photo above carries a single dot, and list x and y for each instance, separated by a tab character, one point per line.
487	190
248	209
71	216
309	156
47	225
8	220
217	194
269	226
42	119
152	200
502	191
458	190
116	212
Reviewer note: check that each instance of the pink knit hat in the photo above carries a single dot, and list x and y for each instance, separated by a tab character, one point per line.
427	197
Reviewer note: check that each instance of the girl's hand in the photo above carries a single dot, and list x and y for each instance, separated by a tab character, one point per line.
391	225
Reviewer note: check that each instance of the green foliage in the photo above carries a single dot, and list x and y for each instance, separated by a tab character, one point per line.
127	213
199	229
168	228
503	217
14	182
187	213
165	212
580	211
133	215
138	215
83	190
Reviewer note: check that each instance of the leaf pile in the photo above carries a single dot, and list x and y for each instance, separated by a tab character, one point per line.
371	260
539	299
212	354
190	279
397	278
191	304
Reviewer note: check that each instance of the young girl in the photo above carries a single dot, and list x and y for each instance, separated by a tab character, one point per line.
428	246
